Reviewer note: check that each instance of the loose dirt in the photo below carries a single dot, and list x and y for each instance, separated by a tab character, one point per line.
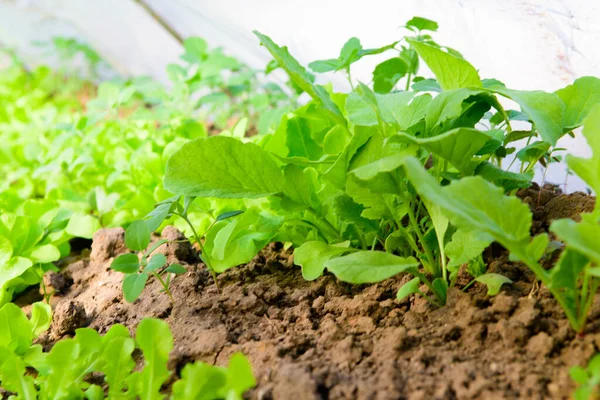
329	340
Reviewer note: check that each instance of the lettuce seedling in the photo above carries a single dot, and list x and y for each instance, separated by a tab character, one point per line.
29	372
137	238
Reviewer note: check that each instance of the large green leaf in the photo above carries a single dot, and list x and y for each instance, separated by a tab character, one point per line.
546	110
582	236
222	167
473	203
579	98
452	72
403	108
457	146
588	169
299	75
369	266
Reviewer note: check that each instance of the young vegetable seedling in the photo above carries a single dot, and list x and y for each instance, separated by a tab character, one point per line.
138	237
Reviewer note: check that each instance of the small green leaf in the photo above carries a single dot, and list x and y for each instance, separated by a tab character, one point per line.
137	236
176	269
451	71
388	73
369	266
239	375
410	287
229	214
312	256
493	282
82	225
582	236
422	24
45	254
6	250
133	285
300	77
41	317
156	262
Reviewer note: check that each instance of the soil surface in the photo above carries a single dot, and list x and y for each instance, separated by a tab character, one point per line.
329	340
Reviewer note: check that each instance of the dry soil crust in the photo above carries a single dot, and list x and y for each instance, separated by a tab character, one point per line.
328	340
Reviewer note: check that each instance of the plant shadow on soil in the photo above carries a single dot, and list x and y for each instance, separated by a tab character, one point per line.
329	340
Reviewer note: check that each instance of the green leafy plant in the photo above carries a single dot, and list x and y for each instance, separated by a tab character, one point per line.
77	156
63	372
341	172
138	238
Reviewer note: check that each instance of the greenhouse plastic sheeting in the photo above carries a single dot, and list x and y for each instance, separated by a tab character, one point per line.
527	44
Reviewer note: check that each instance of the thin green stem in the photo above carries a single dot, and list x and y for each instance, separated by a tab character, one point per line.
326	224
165	286
205	257
415	225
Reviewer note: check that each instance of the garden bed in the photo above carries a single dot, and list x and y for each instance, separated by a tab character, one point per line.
329	340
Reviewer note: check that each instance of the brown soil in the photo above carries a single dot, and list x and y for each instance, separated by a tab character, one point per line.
329	340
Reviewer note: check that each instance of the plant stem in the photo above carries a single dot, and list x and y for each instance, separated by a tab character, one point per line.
415	225
165	287
205	259
332	230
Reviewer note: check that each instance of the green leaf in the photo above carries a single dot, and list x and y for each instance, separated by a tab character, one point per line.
457	146
566	273
229	214
299	140
154	338
6	250
45	254
582	236
176	269
493	282
546	110
506	179
222	167
360	111
195	49
12	269
450	71
41	317
157	261
300	77
388	73
422	24
16	332
465	245
14	377
133	285
137	236
589	169
82	225
126	263
239	375
403	108
579	98
118	364
199	381
410	287
504	218
312	256
369	266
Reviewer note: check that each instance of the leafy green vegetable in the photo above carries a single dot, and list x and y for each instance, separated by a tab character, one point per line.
222	167
61	372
